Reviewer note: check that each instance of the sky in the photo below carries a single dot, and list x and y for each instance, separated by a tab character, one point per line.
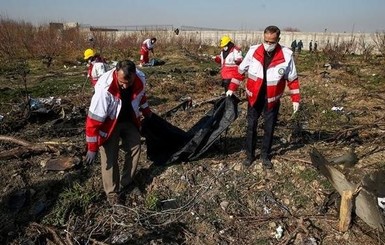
304	15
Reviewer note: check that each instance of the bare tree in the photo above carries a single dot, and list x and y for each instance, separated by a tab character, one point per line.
379	40
104	41
336	52
15	47
48	43
72	43
365	48
127	46
15	39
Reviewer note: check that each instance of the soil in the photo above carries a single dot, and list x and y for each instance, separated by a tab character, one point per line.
214	200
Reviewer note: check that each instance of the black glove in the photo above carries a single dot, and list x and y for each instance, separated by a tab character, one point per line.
90	157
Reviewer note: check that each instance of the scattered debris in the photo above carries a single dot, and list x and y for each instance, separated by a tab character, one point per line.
381	203
60	164
337	108
278	232
43	105
348	159
365	203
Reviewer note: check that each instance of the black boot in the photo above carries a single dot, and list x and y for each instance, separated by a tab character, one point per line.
248	161
266	163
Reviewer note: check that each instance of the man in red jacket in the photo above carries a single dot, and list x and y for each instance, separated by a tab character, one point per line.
229	58
270	67
145	48
114	114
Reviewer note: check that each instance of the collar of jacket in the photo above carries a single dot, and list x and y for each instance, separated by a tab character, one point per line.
114	86
278	57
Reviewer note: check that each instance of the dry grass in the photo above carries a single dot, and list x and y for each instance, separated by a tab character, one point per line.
213	200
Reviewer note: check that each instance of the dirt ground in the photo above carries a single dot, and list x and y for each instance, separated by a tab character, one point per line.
214	200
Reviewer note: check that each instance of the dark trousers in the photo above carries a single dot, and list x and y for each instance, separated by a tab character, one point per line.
225	84
270	120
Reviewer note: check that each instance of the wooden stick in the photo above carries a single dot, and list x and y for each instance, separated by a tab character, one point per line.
14	140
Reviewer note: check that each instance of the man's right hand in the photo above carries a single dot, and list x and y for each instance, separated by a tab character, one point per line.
90	157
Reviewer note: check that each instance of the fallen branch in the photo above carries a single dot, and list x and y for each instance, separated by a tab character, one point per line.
27	143
14	140
187	103
345	132
97	242
51	231
211	101
25	149
295	160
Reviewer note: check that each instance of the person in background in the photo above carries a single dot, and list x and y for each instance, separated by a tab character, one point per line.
270	67
299	46
146	47
96	65
229	58
294	45
315	46
311	46
114	114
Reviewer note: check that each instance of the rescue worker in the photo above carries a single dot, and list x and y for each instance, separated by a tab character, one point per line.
146	47
300	46
115	114
270	67
294	45
311	46
229	58
96	65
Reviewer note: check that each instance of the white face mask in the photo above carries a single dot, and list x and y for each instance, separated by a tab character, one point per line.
225	48
269	47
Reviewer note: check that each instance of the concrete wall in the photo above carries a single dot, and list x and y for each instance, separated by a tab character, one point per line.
247	38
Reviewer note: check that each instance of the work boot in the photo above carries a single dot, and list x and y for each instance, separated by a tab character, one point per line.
247	162
114	199
266	163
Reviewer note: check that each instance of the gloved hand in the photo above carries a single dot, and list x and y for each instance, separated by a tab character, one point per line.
229	92
90	157
295	107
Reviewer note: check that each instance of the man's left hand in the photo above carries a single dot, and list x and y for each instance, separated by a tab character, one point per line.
90	157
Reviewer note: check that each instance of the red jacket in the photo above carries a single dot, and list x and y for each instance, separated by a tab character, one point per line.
146	46
230	63
106	104
280	72
95	69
